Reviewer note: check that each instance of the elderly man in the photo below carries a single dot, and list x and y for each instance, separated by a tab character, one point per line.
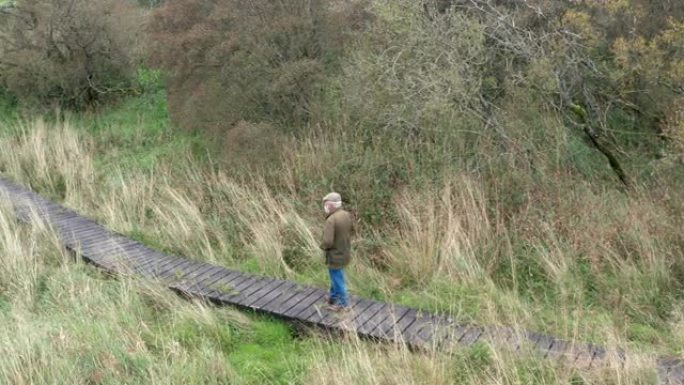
337	247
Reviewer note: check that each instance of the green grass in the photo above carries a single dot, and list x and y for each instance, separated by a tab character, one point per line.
134	146
149	181
65	322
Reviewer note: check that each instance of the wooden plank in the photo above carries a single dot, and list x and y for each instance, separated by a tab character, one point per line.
217	285
286	289
583	356
367	314
169	273
91	234
496	335
31	211
11	187
225	284
423	334
372	323
457	333
146	257
70	235
70	240
94	235
316	312
192	277
70	224
670	371
254	292
101	248
65	224
115	247
675	375
543	344
436	335
132	252
277	304
241	290
412	334
386	328
302	304
285	303
275	288
81	226
470	336
143	260
120	258
540	342
179	272
599	353
75	245
305	305
126	257
228	287
325	318
203	284
145	265
349	322
148	260
358	306
559	350
517	339
94	238
75	225
115	242
57	214
244	286
403	324
137	249
59	209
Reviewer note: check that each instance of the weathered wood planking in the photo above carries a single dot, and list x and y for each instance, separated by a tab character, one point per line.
116	253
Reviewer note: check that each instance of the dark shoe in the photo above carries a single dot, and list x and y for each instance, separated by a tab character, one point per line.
328	300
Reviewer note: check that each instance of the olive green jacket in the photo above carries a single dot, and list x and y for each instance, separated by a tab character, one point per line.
337	239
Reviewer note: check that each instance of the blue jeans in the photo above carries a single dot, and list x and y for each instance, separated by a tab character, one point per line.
338	289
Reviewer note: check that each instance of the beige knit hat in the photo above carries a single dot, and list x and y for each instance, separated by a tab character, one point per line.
333	197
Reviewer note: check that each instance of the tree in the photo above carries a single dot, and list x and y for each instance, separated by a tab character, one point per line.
73	53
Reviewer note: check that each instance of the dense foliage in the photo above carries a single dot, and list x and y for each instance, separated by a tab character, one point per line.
69	54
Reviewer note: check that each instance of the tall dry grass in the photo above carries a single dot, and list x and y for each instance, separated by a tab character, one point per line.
358	362
63	323
571	260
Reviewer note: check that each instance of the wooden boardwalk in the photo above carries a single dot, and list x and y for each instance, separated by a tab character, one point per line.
294	302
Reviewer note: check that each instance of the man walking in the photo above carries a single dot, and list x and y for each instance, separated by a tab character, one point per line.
337	247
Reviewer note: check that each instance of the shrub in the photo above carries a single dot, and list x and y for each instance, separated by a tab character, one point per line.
73	54
673	126
253	146
256	61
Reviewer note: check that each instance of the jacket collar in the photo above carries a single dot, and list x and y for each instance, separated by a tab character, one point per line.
332	213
